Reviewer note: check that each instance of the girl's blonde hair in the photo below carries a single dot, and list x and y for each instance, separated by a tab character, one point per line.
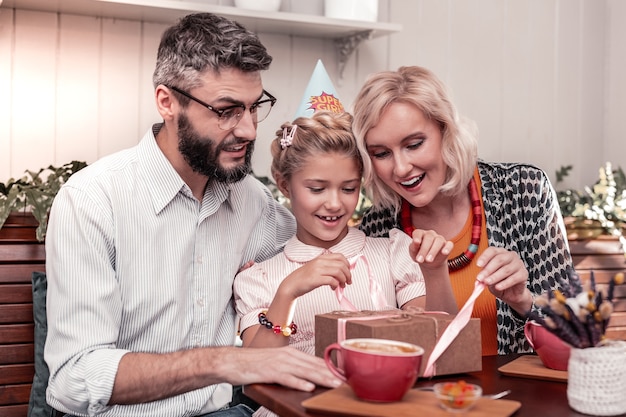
324	132
421	88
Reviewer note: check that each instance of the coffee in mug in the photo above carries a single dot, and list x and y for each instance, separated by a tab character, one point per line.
378	346
377	370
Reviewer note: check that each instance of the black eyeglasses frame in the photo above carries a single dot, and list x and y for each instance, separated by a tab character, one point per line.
220	112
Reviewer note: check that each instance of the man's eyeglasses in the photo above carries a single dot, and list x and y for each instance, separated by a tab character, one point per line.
228	117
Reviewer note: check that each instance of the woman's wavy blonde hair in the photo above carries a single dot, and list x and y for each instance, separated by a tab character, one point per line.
420	87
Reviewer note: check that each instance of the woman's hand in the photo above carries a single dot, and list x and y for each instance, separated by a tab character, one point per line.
430	249
506	277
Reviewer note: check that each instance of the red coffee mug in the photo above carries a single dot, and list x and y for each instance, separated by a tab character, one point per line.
377	370
553	352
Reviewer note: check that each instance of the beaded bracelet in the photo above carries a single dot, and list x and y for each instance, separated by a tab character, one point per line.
285	330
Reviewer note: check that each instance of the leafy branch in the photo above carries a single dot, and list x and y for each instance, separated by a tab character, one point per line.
604	203
35	191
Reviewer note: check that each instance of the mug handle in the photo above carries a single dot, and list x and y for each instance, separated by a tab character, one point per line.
528	334
329	363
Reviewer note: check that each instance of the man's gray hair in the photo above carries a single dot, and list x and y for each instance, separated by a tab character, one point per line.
204	41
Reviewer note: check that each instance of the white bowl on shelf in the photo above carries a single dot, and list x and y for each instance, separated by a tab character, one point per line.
364	10
262	5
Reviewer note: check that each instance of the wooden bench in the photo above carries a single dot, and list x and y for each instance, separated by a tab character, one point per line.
20	255
605	257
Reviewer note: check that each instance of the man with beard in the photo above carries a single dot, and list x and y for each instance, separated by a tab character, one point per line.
143	246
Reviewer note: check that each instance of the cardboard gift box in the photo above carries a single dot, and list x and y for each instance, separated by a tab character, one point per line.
420	328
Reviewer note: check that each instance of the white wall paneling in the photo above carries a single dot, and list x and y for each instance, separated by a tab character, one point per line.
33	101
542	79
515	61
593	103
120	83
150	37
475	74
567	95
77	74
614	139
6	111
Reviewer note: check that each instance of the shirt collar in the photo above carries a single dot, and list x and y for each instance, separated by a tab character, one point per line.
162	179
351	245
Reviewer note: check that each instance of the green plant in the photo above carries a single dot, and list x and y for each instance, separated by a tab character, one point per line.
271	185
604	203
35	191
361	208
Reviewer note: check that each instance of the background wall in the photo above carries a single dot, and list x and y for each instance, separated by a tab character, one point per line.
543	79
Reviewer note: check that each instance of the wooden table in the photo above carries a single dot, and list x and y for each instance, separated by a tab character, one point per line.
538	397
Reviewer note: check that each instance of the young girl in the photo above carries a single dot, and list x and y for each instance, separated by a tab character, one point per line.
316	164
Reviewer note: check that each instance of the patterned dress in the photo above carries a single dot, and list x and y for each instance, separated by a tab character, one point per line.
522	215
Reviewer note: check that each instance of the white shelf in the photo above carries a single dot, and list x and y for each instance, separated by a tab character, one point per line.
168	11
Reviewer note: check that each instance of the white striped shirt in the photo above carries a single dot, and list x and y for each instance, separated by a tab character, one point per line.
136	264
399	277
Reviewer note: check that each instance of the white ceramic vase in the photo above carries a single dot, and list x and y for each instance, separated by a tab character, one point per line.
596	380
262	5
365	10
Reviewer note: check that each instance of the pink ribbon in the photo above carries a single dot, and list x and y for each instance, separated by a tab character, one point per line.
344	303
376	292
391	315
448	336
451	332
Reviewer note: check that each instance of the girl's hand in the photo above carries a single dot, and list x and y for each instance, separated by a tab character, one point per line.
506	276
430	249
330	269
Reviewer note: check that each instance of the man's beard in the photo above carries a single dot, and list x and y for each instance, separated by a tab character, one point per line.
203	156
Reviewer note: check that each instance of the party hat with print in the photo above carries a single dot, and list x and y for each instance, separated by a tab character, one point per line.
320	94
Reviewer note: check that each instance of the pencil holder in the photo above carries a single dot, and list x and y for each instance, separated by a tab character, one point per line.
596	380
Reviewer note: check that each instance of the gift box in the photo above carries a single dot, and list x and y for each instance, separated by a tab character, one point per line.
420	328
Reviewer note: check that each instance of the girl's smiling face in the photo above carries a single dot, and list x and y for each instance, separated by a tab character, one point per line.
324	194
405	150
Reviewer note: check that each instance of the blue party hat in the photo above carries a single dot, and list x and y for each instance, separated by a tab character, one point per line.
320	94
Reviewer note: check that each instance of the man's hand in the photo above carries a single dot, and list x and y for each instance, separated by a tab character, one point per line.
285	366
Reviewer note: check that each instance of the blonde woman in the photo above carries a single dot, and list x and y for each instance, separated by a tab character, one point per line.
422	171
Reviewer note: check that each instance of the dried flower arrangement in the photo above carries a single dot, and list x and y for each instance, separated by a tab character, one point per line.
578	316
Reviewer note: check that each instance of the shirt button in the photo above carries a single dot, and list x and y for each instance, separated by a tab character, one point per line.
200	302
199	259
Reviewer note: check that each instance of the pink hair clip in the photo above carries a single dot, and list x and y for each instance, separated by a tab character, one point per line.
287	138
